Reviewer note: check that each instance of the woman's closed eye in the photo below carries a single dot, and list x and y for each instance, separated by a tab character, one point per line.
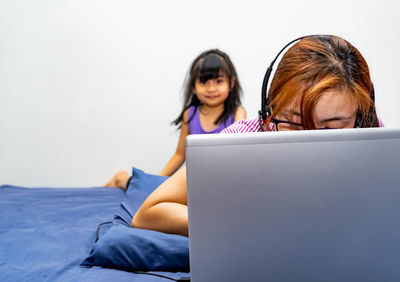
336	123
285	125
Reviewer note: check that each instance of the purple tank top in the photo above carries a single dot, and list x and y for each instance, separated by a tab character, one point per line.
195	125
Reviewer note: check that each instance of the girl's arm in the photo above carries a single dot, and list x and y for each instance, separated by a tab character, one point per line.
179	157
240	113
165	210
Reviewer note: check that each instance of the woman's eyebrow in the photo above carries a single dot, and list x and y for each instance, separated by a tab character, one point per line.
340	118
291	112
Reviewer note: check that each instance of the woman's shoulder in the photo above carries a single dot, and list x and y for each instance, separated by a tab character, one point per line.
380	122
244	125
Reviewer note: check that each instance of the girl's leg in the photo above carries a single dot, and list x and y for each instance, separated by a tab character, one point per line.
119	180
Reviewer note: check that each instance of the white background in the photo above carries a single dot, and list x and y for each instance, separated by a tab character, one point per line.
88	88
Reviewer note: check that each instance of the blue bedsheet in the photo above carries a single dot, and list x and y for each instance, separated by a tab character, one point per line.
45	233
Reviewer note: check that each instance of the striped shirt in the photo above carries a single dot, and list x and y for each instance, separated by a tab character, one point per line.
253	125
243	126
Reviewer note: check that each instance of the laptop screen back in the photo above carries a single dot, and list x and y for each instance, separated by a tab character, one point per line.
318	205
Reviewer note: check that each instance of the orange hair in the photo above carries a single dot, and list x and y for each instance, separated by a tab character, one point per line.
316	64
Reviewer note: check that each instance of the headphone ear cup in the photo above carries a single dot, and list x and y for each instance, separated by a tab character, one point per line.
264	98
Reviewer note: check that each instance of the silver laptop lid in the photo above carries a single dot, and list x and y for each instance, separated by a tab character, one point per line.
295	206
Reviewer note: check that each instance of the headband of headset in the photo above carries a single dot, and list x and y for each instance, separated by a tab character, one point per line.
262	112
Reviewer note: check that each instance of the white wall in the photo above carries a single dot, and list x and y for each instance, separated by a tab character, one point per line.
88	88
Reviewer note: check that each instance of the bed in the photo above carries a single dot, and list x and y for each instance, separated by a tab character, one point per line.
51	234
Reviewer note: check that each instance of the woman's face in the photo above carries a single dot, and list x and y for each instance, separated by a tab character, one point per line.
334	109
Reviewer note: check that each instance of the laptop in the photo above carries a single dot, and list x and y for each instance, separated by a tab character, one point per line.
320	205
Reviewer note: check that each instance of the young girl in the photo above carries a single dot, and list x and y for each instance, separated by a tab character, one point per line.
321	82
211	101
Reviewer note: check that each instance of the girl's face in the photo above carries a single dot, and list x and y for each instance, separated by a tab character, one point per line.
212	92
334	109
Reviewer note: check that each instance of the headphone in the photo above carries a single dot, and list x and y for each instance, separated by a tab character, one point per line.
262	114
264	99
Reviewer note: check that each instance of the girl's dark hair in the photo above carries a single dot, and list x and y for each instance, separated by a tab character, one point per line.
209	65
316	64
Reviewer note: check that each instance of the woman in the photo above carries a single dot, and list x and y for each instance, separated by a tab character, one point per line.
321	82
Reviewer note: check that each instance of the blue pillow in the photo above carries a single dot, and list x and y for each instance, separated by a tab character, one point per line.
141	185
135	249
132	249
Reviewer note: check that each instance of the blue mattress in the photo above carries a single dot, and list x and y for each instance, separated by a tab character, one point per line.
45	233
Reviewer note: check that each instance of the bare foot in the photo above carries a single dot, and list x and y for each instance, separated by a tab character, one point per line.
120	180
